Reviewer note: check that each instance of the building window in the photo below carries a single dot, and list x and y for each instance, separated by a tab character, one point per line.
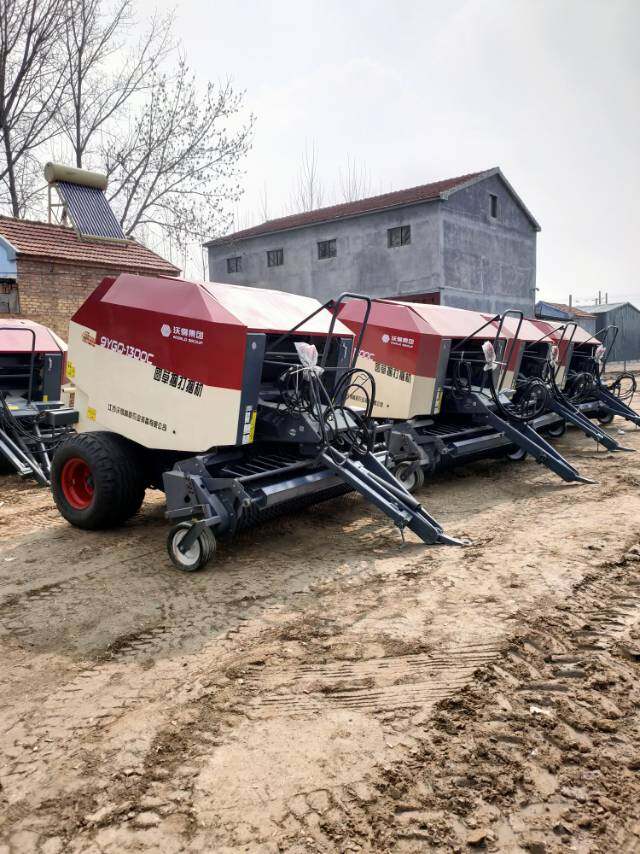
327	249
400	236
9	303
234	265
275	257
493	205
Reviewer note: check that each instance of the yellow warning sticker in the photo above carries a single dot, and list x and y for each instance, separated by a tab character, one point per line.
252	429
71	371
438	401
91	413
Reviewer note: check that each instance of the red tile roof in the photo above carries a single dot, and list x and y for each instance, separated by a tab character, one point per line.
58	242
398	198
570	309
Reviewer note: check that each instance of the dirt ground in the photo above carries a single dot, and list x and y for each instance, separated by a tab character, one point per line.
325	688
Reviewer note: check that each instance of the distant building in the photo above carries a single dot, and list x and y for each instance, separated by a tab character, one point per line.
47	271
467	242
626	317
560	312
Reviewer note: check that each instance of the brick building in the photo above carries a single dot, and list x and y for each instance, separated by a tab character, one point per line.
47	270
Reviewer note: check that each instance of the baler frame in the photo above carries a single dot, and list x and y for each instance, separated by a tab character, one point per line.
205	505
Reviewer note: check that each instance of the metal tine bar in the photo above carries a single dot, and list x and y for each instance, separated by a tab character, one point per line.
574	326
506	358
473	334
356	349
329	305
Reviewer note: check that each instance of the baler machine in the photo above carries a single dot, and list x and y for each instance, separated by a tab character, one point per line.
543	353
33	418
230	399
446	386
583	382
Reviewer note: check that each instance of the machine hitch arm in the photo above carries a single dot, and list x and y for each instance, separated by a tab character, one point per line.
526	438
573	415
374	481
613	403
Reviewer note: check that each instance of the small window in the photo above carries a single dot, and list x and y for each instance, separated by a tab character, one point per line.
275	257
234	265
400	236
493	205
9	303
327	249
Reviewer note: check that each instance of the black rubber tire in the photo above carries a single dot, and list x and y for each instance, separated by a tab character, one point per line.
605	418
517	456
557	430
411	480
202	551
118	480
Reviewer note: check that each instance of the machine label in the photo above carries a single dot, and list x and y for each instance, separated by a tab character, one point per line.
395	373
135	416
91	413
398	340
182	333
126	349
178	381
89	338
71	371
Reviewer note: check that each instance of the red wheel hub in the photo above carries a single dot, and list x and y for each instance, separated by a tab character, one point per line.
77	483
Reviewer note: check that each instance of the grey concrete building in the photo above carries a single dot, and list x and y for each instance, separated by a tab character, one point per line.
468	242
626	317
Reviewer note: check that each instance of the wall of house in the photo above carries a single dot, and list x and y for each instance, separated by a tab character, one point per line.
489	263
627	344
51	292
364	263
456	248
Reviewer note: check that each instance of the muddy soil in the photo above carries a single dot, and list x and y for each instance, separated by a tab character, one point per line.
325	687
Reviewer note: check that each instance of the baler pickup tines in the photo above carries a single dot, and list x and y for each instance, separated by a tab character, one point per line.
368	476
526	438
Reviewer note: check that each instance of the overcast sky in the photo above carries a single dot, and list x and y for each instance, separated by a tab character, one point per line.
416	91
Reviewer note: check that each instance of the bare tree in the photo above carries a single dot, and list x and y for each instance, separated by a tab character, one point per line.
94	44
31	91
263	203
355	181
178	168
308	191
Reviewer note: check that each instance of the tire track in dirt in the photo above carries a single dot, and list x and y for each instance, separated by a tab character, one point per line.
138	675
539	754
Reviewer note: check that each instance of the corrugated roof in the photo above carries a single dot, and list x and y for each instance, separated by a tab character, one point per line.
58	242
604	307
574	310
399	198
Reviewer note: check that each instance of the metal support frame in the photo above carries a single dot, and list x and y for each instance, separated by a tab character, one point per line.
526	438
368	476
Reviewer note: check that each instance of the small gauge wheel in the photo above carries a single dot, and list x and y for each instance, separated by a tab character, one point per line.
410	476
201	551
605	417
517	455
557	430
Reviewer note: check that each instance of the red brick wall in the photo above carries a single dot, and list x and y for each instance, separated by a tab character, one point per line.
50	292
